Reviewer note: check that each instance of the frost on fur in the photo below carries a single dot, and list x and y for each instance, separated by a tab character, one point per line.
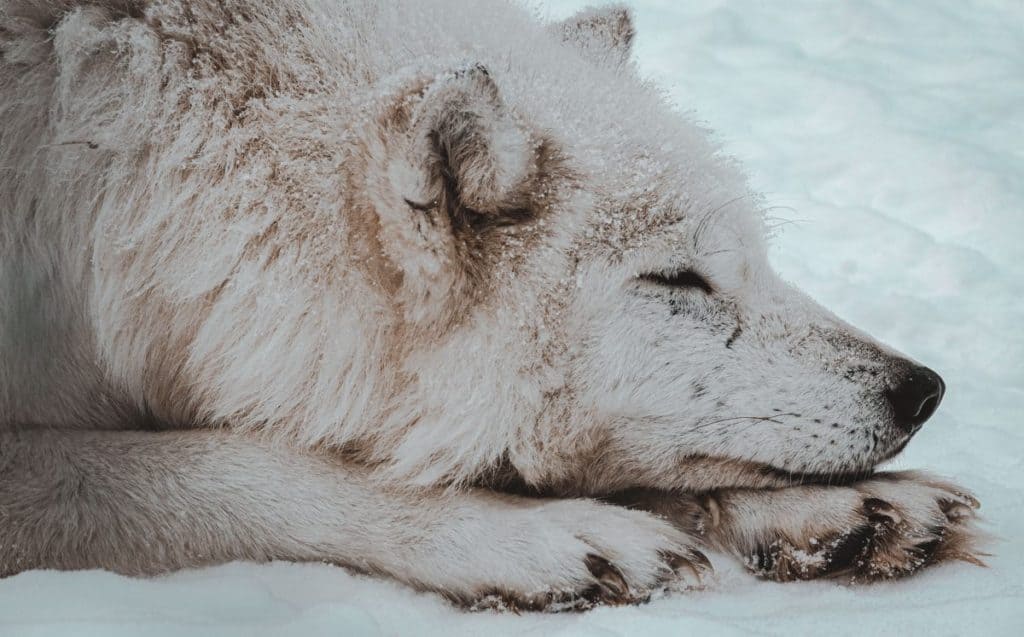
604	34
355	237
456	248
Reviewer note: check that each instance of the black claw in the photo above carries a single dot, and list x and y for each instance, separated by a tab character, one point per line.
968	499
956	510
694	560
674	560
881	511
702	561
765	559
612	583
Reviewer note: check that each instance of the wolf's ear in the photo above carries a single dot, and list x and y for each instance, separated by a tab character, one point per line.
478	157
603	34
454	163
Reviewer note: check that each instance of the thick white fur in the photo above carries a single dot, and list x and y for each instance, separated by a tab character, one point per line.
232	215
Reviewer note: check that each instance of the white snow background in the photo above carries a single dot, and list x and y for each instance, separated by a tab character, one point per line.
891	135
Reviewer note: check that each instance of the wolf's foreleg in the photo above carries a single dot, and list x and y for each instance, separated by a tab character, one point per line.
149	502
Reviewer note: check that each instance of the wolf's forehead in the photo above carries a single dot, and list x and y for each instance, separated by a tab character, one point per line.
673	219
673	183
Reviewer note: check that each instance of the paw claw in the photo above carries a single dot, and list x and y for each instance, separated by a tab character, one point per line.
956	511
675	561
881	511
694	561
609	579
965	498
702	561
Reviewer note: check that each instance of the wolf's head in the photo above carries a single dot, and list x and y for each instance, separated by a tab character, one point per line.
586	294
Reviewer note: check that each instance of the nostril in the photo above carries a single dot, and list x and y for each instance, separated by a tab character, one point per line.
916	398
927	407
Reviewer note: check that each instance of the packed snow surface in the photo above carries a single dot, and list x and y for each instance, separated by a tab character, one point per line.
889	139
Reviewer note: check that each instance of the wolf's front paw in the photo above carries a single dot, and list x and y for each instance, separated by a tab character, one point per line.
574	554
901	523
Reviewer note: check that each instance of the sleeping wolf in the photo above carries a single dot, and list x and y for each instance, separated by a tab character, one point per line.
428	289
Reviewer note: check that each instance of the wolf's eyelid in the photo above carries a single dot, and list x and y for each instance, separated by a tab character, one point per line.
421	206
680	279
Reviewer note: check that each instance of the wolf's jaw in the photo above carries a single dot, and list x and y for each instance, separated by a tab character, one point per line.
694	474
832	478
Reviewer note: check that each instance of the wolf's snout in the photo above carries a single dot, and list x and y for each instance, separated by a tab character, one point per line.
916	398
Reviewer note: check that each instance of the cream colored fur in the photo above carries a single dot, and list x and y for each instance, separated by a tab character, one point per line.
311	279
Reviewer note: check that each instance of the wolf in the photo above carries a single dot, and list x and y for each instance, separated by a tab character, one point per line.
431	290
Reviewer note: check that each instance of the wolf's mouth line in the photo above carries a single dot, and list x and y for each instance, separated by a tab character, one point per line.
831	478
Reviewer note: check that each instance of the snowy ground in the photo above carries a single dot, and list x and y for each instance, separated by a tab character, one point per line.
892	134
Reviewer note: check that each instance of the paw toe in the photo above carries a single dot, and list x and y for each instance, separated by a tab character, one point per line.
596	555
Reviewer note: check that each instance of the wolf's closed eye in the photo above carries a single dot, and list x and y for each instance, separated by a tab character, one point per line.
680	279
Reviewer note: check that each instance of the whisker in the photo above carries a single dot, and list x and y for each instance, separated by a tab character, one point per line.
702	225
755	419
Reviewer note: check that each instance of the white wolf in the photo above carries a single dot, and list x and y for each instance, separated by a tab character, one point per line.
405	286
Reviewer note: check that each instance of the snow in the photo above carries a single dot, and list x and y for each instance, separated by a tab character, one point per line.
890	136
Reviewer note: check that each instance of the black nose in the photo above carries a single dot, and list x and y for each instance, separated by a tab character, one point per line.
916	398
